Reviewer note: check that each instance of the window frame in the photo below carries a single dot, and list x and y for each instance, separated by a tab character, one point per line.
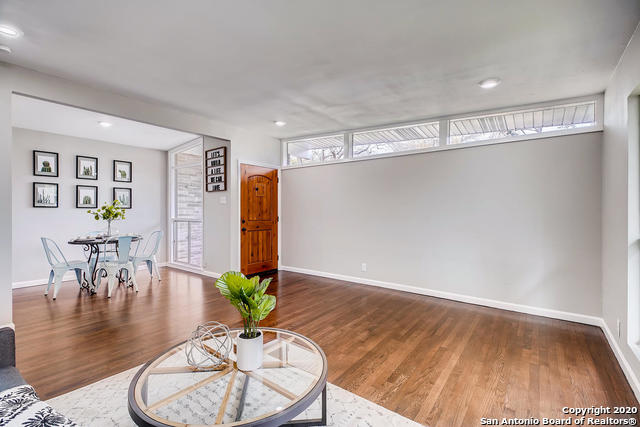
285	154
394	127
444	132
172	217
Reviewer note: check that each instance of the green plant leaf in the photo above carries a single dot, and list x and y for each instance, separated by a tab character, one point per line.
267	304
262	288
244	313
247	296
230	284
249	301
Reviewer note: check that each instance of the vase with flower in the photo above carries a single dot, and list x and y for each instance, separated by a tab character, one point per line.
109	212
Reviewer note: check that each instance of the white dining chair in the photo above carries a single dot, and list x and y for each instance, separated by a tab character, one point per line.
117	267
149	253
105	254
60	265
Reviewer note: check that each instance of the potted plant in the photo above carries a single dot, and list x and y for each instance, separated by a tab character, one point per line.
248	296
108	212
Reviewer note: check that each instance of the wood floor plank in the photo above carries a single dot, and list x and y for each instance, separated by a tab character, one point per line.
439	362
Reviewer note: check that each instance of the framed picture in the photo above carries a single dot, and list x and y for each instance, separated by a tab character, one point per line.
86	196
45	195
45	163
86	167
122	171
124	195
216	169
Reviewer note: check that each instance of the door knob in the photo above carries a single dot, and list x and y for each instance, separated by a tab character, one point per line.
244	229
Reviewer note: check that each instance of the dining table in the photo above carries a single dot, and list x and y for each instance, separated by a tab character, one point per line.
93	245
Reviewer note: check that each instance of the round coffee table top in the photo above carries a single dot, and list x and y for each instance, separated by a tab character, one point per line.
166	391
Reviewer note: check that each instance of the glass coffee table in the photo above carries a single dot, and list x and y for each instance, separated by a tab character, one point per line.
289	389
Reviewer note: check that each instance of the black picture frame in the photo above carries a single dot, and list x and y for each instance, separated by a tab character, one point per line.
215	178
115	171
35	191
37	172
78	175
116	189
95	197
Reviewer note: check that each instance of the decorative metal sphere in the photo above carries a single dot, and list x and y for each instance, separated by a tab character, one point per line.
209	346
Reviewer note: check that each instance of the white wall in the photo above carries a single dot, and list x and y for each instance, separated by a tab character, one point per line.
217	219
5	201
248	144
620	234
149	197
516	222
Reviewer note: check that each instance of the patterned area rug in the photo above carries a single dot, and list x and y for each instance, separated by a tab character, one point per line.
104	403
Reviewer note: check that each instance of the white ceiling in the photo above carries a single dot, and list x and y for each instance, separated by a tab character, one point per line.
327	64
30	113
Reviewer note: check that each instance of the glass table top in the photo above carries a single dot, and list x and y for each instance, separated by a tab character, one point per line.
293	373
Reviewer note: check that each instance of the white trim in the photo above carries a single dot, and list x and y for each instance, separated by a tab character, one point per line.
237	224
624	363
520	308
69	275
38	282
9	325
443	145
193	270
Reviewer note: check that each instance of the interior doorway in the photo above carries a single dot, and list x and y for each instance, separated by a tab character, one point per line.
258	219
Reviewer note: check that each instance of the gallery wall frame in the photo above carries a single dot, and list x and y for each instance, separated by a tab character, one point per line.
122	171
84	191
125	195
45	163
45	195
86	167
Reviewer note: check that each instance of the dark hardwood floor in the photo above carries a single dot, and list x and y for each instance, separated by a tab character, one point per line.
436	361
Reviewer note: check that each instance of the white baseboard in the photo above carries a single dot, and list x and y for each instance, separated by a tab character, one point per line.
38	282
9	325
194	270
69	275
624	363
520	308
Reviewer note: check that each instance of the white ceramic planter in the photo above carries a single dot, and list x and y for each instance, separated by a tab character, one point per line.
250	353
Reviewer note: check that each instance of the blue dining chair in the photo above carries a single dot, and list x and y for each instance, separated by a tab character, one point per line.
119	265
149	253
60	265
105	254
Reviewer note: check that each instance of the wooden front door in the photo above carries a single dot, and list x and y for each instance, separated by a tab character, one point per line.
258	219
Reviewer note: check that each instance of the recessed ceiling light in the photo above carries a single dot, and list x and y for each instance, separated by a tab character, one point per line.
9	31
104	124
4	48
279	123
489	83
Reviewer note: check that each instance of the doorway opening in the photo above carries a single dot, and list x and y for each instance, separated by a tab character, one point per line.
258	219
